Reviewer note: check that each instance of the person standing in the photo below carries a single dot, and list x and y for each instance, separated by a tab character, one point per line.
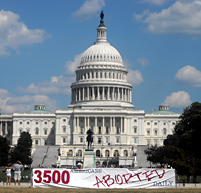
17	171
8	174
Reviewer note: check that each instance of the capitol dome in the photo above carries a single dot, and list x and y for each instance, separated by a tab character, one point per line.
101	52
101	77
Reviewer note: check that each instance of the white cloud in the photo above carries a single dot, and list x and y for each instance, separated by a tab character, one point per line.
89	9
189	75
14	33
143	61
178	99
11	104
71	66
135	77
182	17
154	2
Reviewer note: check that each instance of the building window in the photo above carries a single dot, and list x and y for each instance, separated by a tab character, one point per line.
27	123
52	132
116	153
64	129
164	131
81	139
81	130
117	120
117	140
36	141
118	130
135	129
45	123
64	120
155	123
64	140
36	123
107	153
36	131
135	120
92	120
125	153
135	140
164	123
99	140
106	140
20	123
148	123
107	130
173	123
155	142
148	142
45	132
4	131
81	120
99	130
92	128
155	132
148	132
70	153
79	153
99	120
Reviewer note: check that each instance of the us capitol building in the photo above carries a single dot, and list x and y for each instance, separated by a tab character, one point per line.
101	99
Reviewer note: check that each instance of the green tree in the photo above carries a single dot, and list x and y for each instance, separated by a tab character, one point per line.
4	151
22	151
181	149
156	154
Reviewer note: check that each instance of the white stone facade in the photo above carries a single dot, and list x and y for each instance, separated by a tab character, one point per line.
101	100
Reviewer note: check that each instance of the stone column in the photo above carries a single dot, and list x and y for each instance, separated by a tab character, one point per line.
118	95
108	93
103	93
103	125
83	93
75	94
110	125
95	130
84	130
113	124
88	93
112	93
88	123
130	95
74	124
79	94
121	131
77	130
93	93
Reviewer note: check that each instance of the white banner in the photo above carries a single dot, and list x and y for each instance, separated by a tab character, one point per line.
104	178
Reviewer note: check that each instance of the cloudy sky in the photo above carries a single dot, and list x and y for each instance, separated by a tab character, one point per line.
41	43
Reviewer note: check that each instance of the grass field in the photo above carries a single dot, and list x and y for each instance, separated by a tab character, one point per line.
60	190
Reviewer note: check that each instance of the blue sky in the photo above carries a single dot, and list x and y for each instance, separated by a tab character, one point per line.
41	43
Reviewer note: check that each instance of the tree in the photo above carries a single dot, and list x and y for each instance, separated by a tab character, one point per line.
181	149
4	151
156	154
22	151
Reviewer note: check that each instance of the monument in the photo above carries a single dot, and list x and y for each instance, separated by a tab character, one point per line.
89	155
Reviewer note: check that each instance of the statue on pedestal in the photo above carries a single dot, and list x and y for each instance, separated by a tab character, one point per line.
90	138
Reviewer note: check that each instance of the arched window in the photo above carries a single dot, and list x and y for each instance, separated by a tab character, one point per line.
116	153
107	153
79	153
125	153
97	153
70	153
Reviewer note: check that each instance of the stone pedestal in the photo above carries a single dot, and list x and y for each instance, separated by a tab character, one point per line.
89	159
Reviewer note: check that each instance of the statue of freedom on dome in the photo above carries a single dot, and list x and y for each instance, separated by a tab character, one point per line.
90	138
102	15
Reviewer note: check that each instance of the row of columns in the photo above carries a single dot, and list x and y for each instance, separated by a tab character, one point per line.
111	128
101	93
98	75
4	130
